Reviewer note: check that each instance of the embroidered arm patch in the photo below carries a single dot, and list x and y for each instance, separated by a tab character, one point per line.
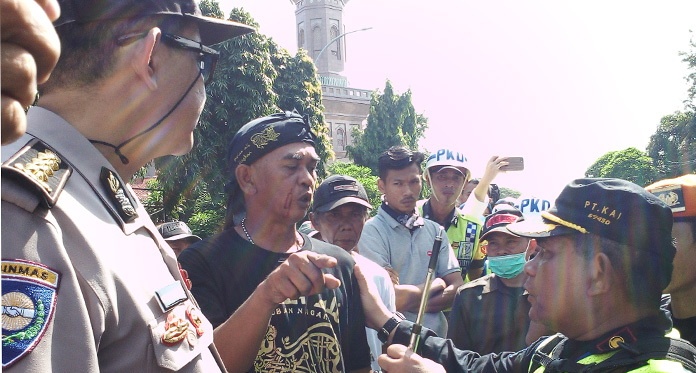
28	304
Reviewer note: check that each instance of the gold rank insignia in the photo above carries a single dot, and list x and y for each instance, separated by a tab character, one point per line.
119	195
175	329
195	318
40	168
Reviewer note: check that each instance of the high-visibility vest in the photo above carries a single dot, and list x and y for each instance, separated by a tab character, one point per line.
549	350
464	239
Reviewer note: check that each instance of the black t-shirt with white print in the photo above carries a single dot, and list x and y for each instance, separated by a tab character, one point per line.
319	333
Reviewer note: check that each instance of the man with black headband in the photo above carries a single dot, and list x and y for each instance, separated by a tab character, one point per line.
272	162
88	282
604	254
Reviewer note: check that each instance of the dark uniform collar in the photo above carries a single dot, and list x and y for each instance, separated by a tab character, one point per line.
652	326
451	219
494	283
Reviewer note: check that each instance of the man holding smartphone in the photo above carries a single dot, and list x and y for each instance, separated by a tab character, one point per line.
447	173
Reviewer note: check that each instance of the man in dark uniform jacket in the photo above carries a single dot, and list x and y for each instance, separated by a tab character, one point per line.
273	163
604	254
490	314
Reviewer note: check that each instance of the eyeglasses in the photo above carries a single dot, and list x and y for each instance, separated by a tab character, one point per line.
207	57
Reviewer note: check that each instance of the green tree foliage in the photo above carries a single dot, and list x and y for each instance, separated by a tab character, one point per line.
596	169
392	121
630	164
254	77
299	89
204	219
673	146
689	57
507	192
364	176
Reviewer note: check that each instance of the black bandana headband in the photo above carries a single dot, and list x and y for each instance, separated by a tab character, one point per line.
260	137
264	135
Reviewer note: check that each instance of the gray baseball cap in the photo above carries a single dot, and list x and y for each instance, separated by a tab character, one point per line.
176	230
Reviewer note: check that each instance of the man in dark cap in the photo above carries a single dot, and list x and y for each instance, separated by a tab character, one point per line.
339	212
273	163
88	282
178	235
604	254
490	314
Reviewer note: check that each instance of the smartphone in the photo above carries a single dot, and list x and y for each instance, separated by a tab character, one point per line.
515	164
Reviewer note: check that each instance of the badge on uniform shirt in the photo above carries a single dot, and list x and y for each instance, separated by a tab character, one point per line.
180	335
40	168
119	195
673	196
170	296
624	335
28	301
465	253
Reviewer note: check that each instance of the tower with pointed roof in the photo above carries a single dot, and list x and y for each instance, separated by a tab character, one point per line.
318	22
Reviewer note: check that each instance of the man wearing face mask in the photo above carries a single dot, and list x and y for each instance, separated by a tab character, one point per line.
491	314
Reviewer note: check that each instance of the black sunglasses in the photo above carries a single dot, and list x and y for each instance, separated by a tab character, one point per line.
207	57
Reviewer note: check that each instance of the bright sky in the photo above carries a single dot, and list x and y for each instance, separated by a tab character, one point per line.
558	82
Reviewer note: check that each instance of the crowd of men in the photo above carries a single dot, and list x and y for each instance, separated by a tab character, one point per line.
604	280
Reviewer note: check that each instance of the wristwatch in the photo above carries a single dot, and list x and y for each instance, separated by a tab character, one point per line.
391	324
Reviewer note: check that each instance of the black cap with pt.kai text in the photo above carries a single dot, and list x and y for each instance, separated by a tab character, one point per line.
611	208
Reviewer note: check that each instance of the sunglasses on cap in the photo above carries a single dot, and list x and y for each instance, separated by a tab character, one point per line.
207	57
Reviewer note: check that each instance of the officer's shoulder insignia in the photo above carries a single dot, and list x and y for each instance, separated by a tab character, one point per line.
40	169
28	304
119	195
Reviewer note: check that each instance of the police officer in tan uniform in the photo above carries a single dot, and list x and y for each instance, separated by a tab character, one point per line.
88	284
